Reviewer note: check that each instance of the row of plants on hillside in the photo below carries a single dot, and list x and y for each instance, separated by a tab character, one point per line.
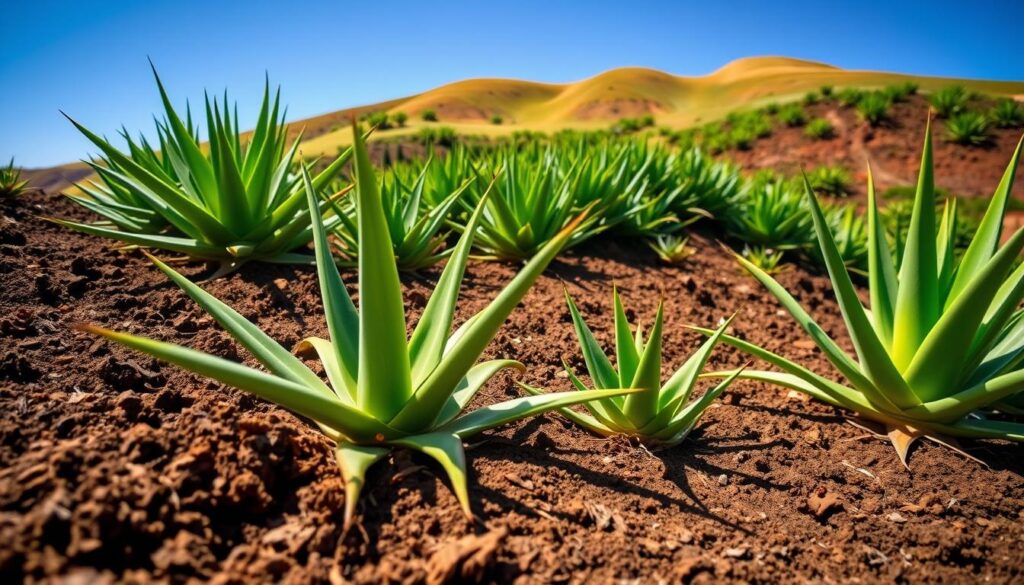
237	203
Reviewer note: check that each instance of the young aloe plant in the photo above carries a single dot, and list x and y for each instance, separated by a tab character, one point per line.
943	334
416	228
386	390
11	184
655	413
230	202
671	248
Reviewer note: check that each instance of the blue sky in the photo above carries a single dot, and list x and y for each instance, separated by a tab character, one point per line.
89	58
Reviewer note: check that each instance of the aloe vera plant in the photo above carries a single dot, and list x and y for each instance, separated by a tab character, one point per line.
385	390
231	202
533	201
656	413
671	248
11	184
943	335
417	230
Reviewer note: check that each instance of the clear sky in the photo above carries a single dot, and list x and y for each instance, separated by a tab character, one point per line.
89	58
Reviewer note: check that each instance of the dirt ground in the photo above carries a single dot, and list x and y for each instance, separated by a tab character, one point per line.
114	467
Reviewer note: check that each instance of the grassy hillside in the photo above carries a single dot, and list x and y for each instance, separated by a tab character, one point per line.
675	101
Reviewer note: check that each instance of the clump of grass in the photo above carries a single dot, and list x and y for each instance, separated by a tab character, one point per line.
826	91
11	184
830	180
400	118
792	115
949	101
968	128
941	343
497	120
429	115
811	98
874	107
819	129
655	413
1007	113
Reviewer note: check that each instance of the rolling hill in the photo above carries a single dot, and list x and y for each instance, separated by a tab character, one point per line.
676	101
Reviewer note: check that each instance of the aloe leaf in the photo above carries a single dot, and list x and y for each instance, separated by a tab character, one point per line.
945	249
354	461
430	396
384	382
271	354
328	357
944	351
598	365
427	344
199	167
680	426
607	411
987	236
626	355
917	302
586	421
992	429
340	313
188	246
495	415
312	403
875	361
447	450
950	408
881	270
842	362
642	406
475	379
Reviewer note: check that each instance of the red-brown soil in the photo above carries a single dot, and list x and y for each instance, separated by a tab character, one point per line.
114	467
893	148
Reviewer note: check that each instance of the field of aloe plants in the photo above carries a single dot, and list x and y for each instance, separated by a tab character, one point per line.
226	361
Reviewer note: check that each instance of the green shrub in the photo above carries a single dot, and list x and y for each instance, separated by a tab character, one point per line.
378	120
742	138
441	136
497	120
826	91
1007	113
811	98
429	116
849	96
792	115
874	107
949	100
400	118
831	180
771	108
969	128
819	129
